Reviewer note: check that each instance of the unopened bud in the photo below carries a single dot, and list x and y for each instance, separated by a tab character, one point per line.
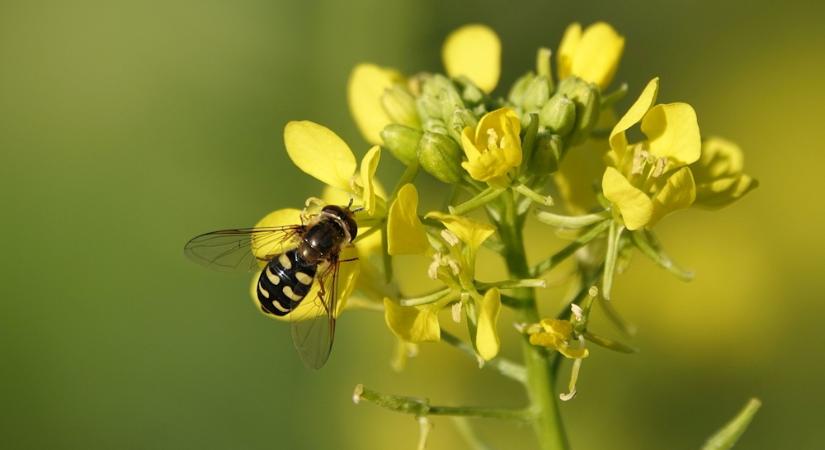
537	93
586	98
548	153
400	106
440	156
516	95
458	121
402	142
435	126
470	93
559	115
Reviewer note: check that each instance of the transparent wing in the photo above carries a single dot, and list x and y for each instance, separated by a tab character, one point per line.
314	330
241	249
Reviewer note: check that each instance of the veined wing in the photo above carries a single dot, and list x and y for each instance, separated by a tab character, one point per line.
241	249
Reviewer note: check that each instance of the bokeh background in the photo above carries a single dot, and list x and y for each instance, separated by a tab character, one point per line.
128	127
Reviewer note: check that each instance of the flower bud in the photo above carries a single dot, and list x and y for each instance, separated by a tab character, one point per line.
559	115
547	154
428	107
458	121
399	105
402	142
516	95
435	126
536	94
470	93
440	156
586	98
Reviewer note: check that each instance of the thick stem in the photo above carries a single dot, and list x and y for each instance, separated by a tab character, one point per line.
547	422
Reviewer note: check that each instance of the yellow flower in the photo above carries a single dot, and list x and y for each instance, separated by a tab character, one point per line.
486	340
558	335
347	275
718	173
320	153
592	56
471	233
473	51
413	323
367	84
647	180
494	147
405	234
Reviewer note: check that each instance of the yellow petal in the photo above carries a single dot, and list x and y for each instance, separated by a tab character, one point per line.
673	132
263	246
597	54
366	85
720	158
405	234
634	205
319	152
679	192
574	353
473	51
567	49
308	309
724	191
618	140
472	233
411	323
368	167
487	341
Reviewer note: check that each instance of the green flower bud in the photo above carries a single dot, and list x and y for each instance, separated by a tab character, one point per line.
440	156
547	154
587	99
536	94
402	142
516	95
428	107
559	115
400	106
470	93
458	121
435	126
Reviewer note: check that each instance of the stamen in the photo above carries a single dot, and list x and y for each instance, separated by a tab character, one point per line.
660	167
432	270
456	312
449	237
492	139
577	312
424	427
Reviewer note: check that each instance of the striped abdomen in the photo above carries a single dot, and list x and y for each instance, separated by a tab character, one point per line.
284	282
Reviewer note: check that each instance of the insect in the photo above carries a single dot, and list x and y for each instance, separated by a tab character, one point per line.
294	258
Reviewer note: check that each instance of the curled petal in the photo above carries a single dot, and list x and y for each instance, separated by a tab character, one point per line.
597	54
282	217
487	341
412	323
472	233
319	152
368	167
405	234
634	205
367	83
720	158
473	51
673	132
618	140
679	192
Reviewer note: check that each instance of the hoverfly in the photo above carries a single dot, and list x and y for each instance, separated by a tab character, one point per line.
313	254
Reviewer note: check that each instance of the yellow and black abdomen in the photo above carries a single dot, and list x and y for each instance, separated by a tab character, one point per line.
284	283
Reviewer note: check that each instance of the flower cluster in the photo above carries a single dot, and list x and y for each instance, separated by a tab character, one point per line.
501	156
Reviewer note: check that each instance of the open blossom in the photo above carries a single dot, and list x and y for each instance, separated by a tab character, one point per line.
649	179
493	147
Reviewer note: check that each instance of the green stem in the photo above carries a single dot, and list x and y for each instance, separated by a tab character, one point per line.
570	249
482	198
420	407
547	423
503	366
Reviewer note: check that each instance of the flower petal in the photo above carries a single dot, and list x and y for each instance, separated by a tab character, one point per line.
597	54
724	191
487	341
473	51
261	248
411	323
679	192
368	167
472	233
405	234
618	140
635	206
673	132
366	85
319	152
720	158
567	49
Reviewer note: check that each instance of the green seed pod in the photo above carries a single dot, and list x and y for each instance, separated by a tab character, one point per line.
402	142
399	105
440	156
559	115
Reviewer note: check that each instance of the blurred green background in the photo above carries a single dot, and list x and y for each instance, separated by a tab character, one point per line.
128	127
